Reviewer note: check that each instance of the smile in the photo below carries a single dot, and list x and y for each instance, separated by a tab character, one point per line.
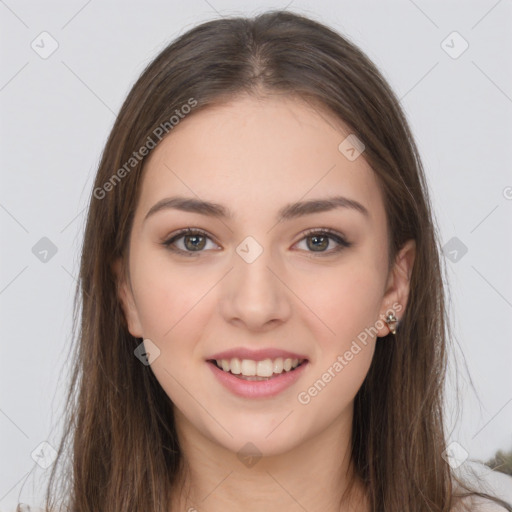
249	381
266	369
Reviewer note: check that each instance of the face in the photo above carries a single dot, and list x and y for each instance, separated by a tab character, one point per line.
265	281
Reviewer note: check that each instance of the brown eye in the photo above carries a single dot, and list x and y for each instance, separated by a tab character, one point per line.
194	242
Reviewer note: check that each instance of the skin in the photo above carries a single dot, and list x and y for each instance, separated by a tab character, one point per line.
255	155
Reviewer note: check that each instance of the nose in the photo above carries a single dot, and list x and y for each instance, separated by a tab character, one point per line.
254	293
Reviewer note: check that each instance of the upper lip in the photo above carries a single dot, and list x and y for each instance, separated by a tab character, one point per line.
256	355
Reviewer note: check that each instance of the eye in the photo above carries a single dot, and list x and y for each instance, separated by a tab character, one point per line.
194	241
320	239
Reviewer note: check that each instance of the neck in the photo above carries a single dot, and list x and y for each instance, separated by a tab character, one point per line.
313	476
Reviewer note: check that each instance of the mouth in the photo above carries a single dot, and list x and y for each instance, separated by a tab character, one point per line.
251	370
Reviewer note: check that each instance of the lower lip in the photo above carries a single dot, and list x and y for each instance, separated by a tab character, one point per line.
257	388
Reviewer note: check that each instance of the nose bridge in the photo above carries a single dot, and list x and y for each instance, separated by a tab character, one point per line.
255	295
252	274
252	263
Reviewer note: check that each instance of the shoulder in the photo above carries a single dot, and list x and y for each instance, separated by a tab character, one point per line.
477	504
484	479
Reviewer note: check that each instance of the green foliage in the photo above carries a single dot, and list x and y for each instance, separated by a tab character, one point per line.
502	461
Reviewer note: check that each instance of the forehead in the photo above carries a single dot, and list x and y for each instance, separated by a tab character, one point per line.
255	154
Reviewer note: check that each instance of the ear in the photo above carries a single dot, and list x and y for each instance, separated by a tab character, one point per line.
125	295
398	286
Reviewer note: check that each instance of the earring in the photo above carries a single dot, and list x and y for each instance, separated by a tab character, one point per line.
392	322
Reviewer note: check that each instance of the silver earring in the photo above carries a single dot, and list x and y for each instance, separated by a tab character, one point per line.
392	322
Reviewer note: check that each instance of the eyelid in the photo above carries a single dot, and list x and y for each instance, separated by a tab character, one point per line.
327	231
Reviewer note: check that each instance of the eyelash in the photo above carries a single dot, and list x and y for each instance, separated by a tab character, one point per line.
333	235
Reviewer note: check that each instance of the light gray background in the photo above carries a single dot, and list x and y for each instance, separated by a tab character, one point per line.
57	113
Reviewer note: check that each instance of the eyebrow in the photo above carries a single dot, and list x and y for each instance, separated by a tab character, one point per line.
288	212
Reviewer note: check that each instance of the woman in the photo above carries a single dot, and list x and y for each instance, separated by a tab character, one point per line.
263	321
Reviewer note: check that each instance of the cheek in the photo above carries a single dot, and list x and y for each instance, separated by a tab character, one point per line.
171	305
174	307
167	297
345	341
348	300
345	301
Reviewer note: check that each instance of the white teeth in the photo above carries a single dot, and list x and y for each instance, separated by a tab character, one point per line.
265	368
250	368
233	366
278	365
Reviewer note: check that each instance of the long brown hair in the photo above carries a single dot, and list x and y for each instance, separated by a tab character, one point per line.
120	440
